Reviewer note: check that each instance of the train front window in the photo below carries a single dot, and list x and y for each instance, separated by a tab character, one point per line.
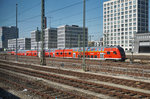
91	56
95	56
115	52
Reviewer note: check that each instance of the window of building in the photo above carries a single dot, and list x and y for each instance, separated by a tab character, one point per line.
130	20
134	28
126	12
130	2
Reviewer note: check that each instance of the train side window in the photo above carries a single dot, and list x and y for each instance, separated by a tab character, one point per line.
108	53
115	52
69	53
91	56
57	53
95	56
61	53
88	56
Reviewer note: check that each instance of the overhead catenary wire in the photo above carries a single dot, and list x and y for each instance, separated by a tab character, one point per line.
52	11
24	11
77	3
36	16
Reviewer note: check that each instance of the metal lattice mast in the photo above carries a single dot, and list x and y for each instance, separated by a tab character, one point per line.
43	61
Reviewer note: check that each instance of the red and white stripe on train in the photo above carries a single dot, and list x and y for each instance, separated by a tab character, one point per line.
97	53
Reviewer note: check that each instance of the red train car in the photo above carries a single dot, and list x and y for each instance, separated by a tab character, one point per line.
97	53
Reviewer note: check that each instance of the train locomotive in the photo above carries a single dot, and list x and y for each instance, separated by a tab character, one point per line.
95	53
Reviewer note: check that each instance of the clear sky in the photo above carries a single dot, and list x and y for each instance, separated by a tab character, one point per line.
58	12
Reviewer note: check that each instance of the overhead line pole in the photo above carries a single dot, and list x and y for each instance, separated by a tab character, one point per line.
37	41
83	63
16	31
43	61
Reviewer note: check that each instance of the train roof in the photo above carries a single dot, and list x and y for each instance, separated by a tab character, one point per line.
85	47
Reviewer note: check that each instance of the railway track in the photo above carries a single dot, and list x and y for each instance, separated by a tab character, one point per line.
119	69
37	88
79	61
136	84
86	85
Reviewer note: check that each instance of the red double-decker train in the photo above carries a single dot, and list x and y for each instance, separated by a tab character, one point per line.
97	53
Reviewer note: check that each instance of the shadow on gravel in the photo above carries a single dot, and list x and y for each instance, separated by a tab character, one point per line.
6	95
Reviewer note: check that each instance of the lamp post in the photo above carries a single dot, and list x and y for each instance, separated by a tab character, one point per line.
105	39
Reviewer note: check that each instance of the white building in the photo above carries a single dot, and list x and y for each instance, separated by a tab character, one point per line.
50	39
71	36
22	44
35	40
122	19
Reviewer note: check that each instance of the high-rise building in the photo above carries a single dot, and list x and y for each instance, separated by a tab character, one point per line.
122	19
22	44
71	36
7	33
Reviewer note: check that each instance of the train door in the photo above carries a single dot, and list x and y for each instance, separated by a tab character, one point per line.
53	54
39	54
74	55
102	56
